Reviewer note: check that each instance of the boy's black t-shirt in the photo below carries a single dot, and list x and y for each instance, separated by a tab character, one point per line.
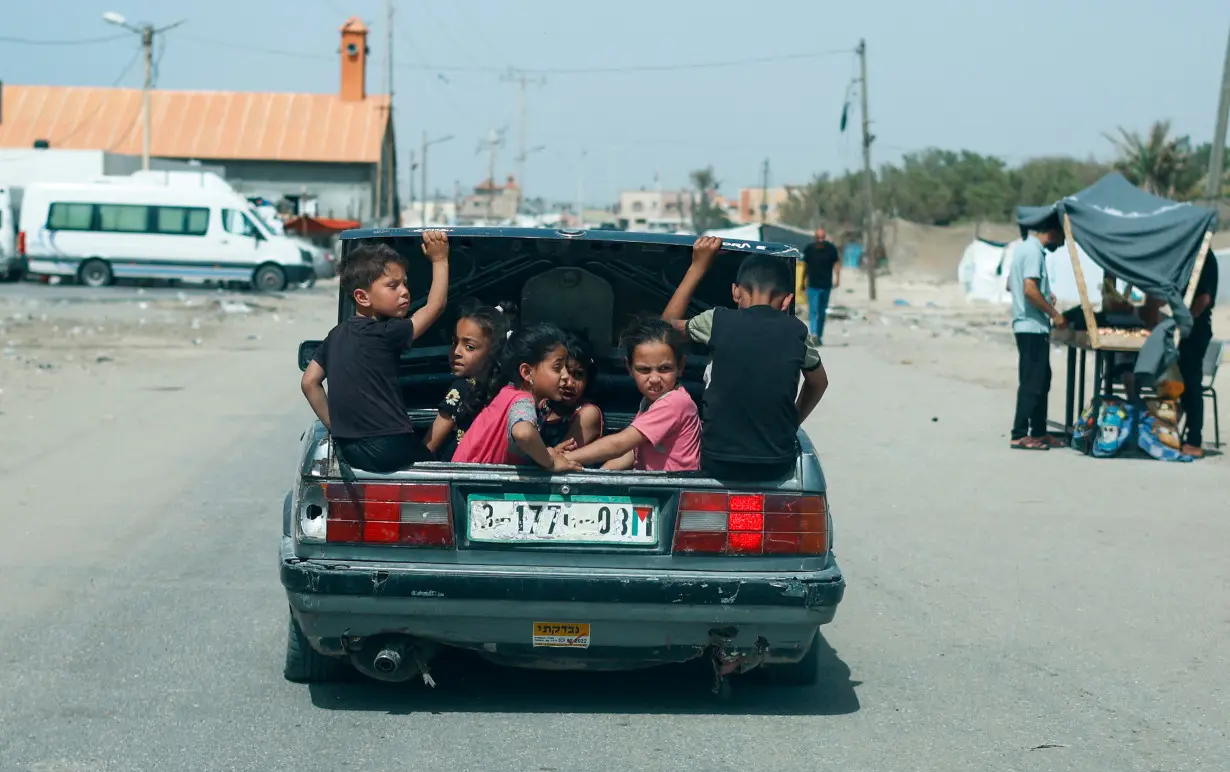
360	357
757	355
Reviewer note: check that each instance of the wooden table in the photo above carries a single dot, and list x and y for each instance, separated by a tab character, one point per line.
1106	346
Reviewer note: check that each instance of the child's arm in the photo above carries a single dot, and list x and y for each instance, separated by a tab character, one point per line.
815	382
529	442
621	464
703	252
586	426
435	247
607	448
441	428
313	387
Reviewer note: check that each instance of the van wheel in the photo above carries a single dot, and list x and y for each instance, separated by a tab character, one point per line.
269	278
305	665
95	273
805	672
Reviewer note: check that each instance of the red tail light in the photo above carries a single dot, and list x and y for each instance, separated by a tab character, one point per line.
408	515
751	524
21	243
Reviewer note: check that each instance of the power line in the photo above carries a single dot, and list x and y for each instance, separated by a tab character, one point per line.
691	66
423	65
79	42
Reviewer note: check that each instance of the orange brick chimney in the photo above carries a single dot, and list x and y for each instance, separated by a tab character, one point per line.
354	60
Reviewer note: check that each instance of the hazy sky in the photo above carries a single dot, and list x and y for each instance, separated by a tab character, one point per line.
996	76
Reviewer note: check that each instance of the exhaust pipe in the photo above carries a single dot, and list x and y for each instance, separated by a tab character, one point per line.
394	658
388	660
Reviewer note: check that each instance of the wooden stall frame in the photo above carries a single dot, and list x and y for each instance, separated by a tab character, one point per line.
1118	342
1190	296
1091	322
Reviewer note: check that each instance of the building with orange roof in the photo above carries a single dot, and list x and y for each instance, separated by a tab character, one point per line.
335	150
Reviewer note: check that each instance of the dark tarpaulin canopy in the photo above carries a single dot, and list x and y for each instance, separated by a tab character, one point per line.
1148	241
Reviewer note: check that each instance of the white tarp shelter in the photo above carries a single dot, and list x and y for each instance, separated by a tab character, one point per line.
983	273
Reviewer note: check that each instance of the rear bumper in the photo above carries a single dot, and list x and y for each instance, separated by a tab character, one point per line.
636	617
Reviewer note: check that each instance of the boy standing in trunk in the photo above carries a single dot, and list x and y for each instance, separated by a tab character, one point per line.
363	409
1033	313
753	405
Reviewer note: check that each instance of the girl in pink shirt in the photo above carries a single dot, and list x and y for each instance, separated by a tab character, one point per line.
665	435
533	368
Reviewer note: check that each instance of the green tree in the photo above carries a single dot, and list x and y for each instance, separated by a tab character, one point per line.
1155	161
1043	181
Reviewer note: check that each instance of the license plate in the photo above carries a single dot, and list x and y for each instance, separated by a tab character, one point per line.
561	635
563	519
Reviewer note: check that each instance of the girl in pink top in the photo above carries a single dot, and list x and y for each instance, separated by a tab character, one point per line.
665	435
533	368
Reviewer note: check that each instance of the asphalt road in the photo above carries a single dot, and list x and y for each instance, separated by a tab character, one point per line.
1004	611
125	292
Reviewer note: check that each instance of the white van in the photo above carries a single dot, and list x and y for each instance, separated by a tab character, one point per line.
10	261
100	231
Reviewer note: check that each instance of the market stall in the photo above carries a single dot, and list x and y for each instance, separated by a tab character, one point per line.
1153	244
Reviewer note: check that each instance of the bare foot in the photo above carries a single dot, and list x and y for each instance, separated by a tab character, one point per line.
1193	451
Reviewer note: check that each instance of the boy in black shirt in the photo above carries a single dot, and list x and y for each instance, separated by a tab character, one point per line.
753	405
364	409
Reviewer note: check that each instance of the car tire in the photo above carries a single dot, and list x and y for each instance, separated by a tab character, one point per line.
95	273
805	672
305	665
269	278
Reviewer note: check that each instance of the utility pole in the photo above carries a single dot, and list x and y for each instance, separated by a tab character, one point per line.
522	80
388	63
1212	185
147	42
868	223
147	32
764	193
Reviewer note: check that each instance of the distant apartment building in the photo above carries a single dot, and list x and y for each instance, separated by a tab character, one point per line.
335	150
490	203
654	210
752	199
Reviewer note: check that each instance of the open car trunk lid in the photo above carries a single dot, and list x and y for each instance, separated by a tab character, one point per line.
593	282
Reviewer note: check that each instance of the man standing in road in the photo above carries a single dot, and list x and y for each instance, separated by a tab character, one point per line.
821	274
1033	312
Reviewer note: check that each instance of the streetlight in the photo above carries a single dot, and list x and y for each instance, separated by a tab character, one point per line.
147	32
426	144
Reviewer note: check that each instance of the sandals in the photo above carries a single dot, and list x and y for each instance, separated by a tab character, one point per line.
1053	441
1030	443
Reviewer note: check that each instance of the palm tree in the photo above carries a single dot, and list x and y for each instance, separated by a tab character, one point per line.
1156	162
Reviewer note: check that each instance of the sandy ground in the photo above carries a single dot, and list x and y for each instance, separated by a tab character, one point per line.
1005	611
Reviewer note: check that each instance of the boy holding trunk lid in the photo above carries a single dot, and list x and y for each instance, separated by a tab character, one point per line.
753	405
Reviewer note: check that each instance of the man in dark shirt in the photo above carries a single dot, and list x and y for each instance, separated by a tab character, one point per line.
753	405
822	274
1191	356
364	410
